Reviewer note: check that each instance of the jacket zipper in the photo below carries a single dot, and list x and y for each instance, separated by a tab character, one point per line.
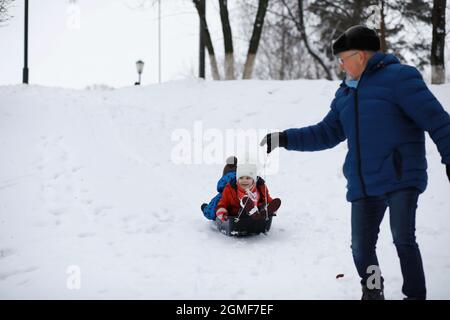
358	145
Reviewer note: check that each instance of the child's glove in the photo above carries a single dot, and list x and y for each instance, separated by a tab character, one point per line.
222	214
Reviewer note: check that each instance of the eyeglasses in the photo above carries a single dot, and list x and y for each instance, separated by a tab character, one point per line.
342	60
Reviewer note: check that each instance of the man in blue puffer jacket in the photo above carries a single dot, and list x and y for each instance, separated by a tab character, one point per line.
383	109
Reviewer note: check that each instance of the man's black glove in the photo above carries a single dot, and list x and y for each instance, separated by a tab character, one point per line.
274	140
448	171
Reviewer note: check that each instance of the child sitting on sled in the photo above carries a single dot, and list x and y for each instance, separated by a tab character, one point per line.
246	195
228	174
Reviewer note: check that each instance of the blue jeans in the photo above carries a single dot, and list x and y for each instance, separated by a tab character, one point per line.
367	214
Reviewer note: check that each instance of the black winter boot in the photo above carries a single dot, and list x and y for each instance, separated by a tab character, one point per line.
414	298
372	294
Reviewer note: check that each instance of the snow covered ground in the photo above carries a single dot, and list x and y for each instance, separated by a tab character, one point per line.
92	204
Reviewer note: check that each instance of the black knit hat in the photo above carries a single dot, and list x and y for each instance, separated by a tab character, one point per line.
357	38
230	166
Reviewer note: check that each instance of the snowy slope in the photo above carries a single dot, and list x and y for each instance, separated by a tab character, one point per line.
87	180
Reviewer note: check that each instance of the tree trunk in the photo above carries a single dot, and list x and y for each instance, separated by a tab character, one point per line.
283	47
201	62
228	41
207	37
438	42
256	36
383	46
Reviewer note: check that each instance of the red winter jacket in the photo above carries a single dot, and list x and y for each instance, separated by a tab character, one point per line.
230	200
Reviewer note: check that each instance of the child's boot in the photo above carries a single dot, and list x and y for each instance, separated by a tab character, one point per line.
248	207
271	208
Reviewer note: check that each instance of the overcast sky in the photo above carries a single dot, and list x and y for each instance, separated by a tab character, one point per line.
99	41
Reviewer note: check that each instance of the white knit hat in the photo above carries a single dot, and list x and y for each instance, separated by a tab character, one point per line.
246	170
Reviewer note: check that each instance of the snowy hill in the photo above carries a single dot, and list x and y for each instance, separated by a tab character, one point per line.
88	183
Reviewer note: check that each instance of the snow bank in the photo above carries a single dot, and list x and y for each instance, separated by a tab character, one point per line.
92	204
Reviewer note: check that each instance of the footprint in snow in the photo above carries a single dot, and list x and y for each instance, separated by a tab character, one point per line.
6	252
86	235
8	274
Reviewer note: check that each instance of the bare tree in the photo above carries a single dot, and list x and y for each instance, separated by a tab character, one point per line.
228	40
229	65
300	25
438	42
256	36
4	11
282	54
404	28
208	41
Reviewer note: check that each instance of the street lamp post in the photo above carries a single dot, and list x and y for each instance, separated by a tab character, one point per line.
25	64
139	68
159	41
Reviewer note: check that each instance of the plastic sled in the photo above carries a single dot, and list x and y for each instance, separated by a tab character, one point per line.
244	226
